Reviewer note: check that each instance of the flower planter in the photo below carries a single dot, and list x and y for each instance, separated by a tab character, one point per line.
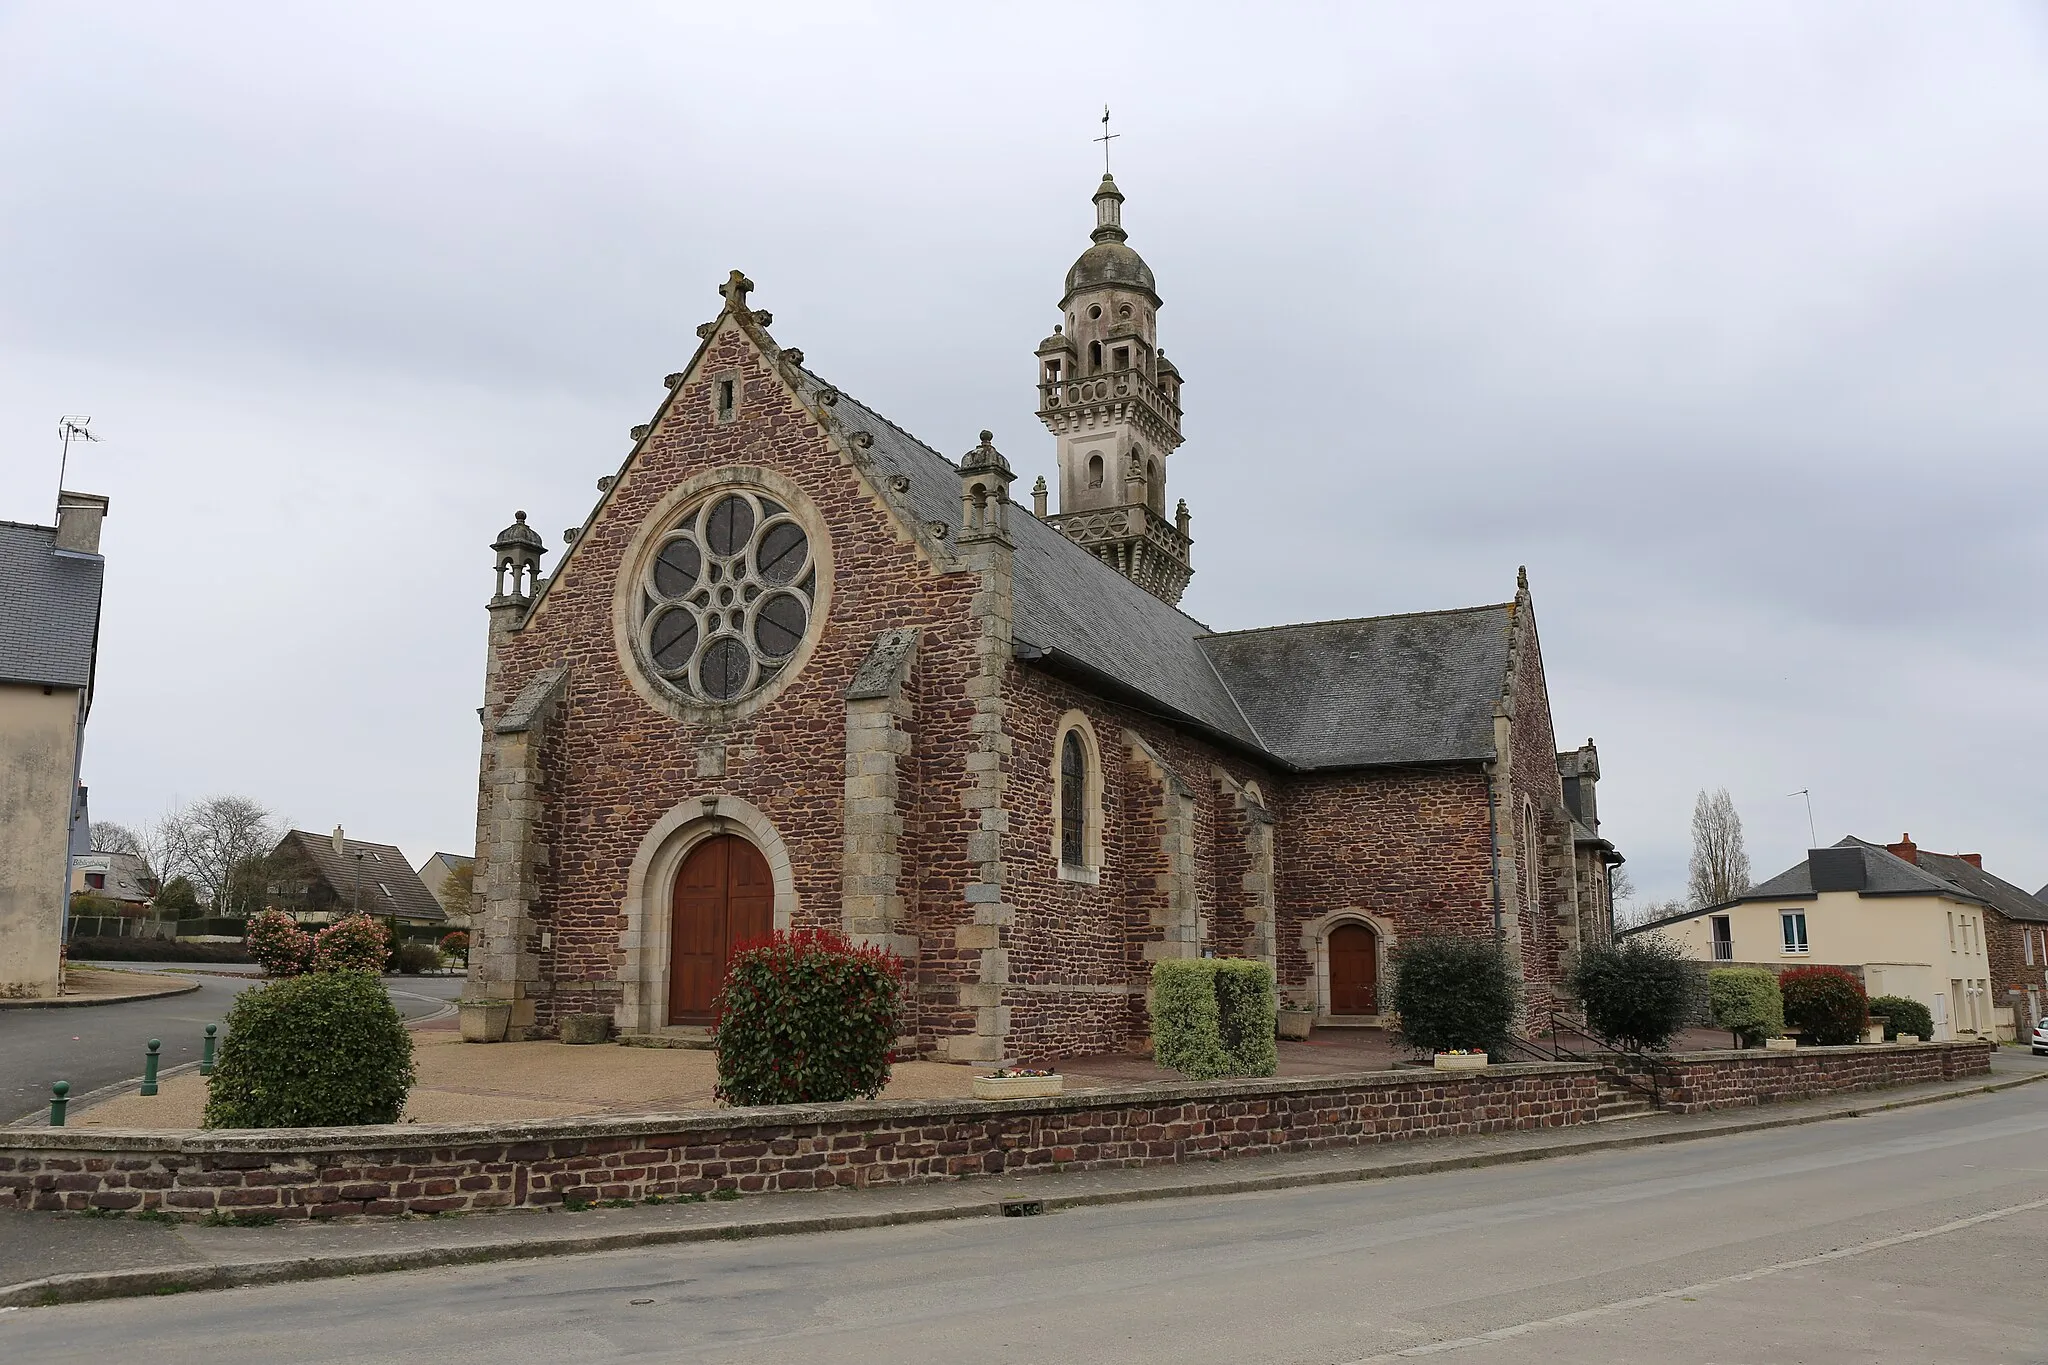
484	1021
587	1028
1781	1044
1873	1033
1017	1087
1460	1061
1908	1038
1294	1023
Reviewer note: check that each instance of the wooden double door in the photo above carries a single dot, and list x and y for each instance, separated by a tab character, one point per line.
724	898
1354	970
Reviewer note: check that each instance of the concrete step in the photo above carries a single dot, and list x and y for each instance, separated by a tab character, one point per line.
676	1035
1622	1113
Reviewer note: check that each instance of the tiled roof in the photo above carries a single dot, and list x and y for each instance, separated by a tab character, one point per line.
49	609
1995	891
1378	691
388	884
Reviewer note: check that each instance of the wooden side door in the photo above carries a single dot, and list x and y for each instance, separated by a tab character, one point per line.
749	899
1354	970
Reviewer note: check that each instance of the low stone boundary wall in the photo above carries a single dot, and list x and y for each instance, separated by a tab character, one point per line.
1695	1082
418	1168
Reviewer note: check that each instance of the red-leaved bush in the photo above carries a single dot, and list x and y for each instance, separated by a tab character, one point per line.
353	943
1826	1004
805	1017
278	944
455	943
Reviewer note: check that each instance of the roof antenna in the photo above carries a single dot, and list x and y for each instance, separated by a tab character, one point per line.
1106	138
1809	816
74	428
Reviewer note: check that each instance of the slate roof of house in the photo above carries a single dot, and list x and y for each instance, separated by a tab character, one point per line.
1999	894
1379	691
389	884
127	877
50	609
1884	874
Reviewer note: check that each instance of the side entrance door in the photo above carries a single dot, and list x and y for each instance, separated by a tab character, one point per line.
1354	970
723	898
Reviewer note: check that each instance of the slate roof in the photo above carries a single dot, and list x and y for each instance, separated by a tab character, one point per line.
1884	873
1379	691
389	884
1999	894
49	608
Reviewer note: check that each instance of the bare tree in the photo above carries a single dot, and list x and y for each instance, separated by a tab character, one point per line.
1720	865
211	840
1620	886
1638	913
109	837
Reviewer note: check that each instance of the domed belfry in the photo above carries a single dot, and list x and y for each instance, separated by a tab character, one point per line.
1112	399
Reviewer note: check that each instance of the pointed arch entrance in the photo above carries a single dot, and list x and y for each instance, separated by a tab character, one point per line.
1354	969
724	897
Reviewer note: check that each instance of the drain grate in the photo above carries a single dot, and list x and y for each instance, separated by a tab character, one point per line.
1022	1208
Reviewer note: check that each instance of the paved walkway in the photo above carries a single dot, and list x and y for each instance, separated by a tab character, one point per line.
52	1257
105	986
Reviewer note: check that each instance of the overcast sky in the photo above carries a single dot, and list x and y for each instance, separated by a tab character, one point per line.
1727	320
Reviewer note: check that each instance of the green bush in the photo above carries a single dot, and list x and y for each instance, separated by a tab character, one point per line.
86	949
1826	1004
1902	1015
317	1051
414	958
1454	994
806	1018
353	943
1746	1002
1213	1017
275	940
1640	992
178	894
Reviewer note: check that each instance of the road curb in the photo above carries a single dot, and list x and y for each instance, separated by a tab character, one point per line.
81	1002
197	1275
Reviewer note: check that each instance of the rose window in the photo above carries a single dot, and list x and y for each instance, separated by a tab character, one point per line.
727	597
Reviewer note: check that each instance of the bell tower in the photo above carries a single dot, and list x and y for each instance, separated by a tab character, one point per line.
1111	399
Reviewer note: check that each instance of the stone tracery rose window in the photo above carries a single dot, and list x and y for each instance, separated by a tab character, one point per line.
728	596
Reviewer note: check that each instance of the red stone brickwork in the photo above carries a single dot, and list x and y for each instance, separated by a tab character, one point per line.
325	1173
1699	1081
2011	972
1535	778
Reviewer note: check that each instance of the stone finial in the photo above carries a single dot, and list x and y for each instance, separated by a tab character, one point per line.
1038	494
519	548
1522	579
985	492
1181	518
735	290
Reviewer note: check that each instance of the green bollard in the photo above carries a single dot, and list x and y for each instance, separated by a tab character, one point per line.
59	1094
206	1054
149	1068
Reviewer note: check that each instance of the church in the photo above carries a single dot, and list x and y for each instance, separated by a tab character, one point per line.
798	669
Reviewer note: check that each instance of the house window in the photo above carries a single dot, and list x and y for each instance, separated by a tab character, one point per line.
1951	931
1793	925
96	880
2027	937
1724	938
1073	800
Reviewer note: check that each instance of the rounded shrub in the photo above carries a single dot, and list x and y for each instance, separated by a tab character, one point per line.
1902	1014
1640	992
316	1051
353	943
1213	1017
1746	1002
1455	994
278	944
806	1018
1826	1004
455	943
413	957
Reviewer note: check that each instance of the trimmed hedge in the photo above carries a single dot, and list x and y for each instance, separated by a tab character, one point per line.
317	1051
1746	1002
1454	994
1826	1004
154	950
1902	1014
1214	1017
1640	992
806	1018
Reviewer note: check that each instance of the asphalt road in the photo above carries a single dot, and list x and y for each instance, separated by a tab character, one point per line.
1907	1236
98	1045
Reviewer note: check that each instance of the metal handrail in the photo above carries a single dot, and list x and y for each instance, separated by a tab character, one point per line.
1559	1052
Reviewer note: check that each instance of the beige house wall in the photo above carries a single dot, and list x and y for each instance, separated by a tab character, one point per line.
1926	948
38	770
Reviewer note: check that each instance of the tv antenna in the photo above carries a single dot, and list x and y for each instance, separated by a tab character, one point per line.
70	429
1809	815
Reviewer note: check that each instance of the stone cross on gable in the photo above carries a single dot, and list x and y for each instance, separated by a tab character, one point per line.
735	290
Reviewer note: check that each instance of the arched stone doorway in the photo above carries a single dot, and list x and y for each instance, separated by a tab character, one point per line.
724	897
1354	969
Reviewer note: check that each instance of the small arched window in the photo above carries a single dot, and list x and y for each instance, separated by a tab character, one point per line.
1095	357
1155	487
1073	800
1095	471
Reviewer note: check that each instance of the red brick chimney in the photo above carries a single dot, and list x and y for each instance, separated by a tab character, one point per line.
1905	848
1975	860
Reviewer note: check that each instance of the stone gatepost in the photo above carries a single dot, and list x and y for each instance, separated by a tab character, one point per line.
504	956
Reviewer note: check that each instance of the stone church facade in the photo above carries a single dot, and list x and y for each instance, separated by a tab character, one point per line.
798	669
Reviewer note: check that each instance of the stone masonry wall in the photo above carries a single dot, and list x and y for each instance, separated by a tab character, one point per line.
1700	1081
420	1169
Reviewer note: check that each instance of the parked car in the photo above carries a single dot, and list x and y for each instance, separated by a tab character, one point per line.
2041	1038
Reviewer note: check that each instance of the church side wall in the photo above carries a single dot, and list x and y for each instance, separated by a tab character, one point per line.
1410	846
613	765
1535	778
1079	963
